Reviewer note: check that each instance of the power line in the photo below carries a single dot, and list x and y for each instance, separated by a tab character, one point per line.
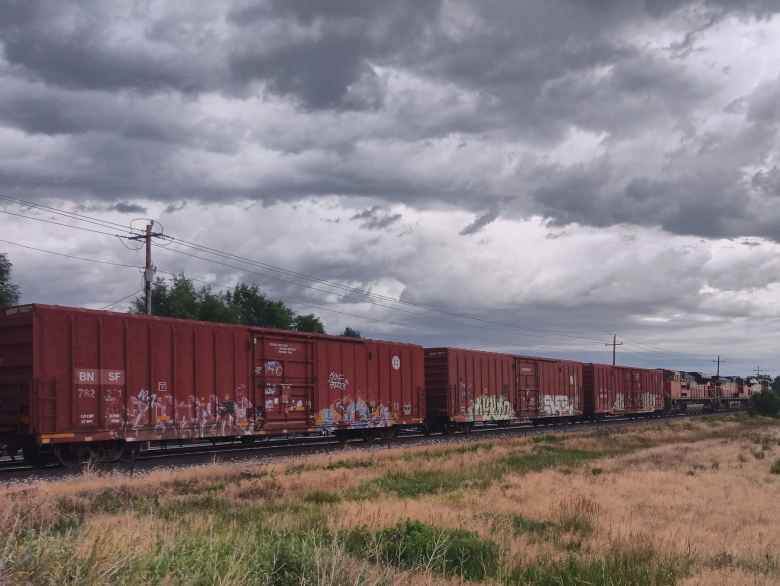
133	294
74	215
370	297
297	276
373	302
282	273
50	221
71	256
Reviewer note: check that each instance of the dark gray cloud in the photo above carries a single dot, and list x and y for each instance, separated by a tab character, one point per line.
124	207
376	218
480	222
426	103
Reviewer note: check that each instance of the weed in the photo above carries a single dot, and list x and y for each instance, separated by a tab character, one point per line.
640	566
419	482
415	545
321	497
443	453
523	525
349	464
547	439
766	565
775	469
543	457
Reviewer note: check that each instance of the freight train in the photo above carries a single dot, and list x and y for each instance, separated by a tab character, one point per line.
79	384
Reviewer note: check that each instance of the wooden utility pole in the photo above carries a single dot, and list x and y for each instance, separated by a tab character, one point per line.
614	345
717	367
149	268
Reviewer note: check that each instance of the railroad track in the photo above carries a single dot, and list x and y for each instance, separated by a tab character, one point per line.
207	452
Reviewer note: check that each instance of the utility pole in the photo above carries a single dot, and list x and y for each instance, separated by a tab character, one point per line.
757	370
614	345
717	367
149	268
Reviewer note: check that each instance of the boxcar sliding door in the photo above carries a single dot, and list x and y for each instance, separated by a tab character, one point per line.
284	381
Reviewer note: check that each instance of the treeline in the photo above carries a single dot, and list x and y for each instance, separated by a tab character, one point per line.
244	304
9	292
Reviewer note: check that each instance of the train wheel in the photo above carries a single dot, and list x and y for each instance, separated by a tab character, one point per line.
78	457
33	456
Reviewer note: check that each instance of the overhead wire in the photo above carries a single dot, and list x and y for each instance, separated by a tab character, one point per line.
74	215
370	297
71	256
391	308
299	278
50	221
117	302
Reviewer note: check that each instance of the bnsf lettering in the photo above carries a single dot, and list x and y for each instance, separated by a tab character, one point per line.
114	377
94	376
86	377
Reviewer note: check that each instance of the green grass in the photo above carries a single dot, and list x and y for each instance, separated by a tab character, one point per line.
431	481
775	469
416	546
444	453
620	567
321	497
567	533
419	482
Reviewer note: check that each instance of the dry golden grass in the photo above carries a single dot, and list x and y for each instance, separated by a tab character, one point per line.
695	490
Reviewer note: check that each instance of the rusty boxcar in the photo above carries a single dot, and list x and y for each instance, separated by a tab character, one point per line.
464	387
618	390
467	387
549	387
72	376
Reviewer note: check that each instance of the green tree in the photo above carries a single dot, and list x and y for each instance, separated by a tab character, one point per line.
765	403
179	299
214	307
251	307
9	292
776	384
350	333
309	323
245	304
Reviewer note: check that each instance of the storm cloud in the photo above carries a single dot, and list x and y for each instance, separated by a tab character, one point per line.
423	128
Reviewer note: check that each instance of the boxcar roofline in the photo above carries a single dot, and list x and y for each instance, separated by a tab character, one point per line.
9	311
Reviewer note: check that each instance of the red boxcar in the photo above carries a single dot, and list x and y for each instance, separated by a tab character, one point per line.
617	390
548	387
74	375
470	386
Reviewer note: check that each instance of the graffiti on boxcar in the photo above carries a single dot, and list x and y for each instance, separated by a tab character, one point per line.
337	381
492	407
620	402
648	401
139	407
557	405
273	368
357	413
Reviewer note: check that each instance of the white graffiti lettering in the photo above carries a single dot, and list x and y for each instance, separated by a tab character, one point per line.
492	406
337	381
557	405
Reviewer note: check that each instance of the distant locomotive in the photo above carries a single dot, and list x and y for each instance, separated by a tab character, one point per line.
688	391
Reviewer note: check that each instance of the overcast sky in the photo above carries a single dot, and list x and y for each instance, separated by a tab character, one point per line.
560	170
